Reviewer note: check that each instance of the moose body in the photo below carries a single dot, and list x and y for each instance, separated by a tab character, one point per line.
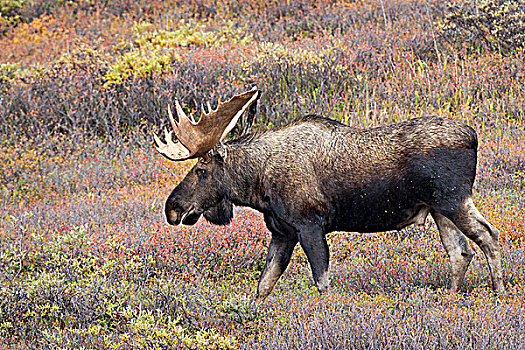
315	175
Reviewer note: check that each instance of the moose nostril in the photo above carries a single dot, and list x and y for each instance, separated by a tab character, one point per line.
173	216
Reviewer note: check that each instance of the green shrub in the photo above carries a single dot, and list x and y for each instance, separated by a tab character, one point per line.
189	33
59	293
137	64
497	25
10	13
8	72
155	51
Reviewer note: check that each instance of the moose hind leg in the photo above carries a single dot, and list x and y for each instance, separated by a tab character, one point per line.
458	249
279	253
477	228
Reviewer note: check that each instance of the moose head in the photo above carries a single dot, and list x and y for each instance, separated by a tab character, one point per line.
202	192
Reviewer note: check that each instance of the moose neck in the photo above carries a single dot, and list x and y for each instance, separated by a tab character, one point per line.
242	168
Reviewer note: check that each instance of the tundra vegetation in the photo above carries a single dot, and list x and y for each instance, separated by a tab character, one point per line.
86	257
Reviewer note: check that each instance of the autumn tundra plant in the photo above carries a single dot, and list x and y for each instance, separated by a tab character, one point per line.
86	258
488	24
316	175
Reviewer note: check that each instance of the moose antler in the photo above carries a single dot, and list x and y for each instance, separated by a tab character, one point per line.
195	139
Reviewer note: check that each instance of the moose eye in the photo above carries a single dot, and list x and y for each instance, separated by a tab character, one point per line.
202	173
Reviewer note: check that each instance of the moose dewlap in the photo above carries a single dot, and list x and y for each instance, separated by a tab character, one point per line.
316	175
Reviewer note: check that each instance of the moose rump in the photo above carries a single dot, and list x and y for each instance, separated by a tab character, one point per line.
391	177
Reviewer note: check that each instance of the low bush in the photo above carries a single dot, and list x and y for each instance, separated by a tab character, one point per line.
497	25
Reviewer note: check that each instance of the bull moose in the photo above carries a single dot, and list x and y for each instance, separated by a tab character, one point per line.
316	175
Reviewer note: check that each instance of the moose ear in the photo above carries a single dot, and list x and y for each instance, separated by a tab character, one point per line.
220	150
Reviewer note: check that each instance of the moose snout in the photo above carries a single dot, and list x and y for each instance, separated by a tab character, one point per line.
178	213
173	216
173	212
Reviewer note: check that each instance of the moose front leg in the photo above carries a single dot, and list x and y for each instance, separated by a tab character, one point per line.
313	242
279	254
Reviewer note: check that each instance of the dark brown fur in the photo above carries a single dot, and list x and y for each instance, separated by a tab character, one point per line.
316	175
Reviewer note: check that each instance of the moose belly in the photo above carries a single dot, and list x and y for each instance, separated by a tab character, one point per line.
379	209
